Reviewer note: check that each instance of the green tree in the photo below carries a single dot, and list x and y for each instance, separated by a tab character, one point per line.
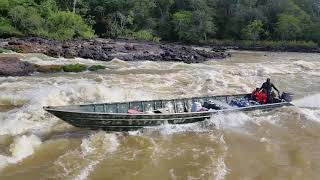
27	20
253	30
182	21
47	8
313	32
4	6
7	30
112	17
117	24
65	5
234	15
288	27
67	25
203	17
142	10
196	24
163	17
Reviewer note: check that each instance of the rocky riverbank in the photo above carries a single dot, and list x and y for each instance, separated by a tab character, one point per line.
106	50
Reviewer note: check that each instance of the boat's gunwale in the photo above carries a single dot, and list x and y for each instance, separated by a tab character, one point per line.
135	101
47	108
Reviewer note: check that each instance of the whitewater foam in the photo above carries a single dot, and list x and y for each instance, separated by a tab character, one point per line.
93	149
42	59
312	101
20	148
32	117
12	100
230	120
310	114
109	144
305	65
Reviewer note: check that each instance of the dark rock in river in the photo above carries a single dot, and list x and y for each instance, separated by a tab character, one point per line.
49	68
96	54
106	50
12	66
53	52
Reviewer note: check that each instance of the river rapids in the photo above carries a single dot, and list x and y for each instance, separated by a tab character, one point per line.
280	144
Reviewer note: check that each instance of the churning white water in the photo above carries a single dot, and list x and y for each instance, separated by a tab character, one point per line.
278	144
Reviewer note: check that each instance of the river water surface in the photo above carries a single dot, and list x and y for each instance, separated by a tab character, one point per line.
278	144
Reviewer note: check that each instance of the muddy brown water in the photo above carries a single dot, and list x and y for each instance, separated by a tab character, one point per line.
278	144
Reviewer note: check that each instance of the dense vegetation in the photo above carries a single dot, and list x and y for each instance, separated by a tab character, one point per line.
173	20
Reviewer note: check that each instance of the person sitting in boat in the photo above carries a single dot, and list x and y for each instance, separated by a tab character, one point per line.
267	86
274	98
254	94
197	107
261	97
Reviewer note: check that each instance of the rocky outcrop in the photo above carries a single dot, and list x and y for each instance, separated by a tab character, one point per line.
106	50
12	66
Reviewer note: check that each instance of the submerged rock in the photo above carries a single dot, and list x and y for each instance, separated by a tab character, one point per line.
74	68
49	68
13	66
96	67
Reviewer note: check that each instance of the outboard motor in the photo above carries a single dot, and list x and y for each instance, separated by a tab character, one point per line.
287	96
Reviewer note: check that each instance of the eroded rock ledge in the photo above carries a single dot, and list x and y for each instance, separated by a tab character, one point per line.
106	50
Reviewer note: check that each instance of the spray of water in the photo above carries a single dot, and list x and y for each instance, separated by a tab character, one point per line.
20	148
312	101
93	149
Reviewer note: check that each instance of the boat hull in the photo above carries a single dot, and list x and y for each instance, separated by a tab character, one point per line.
125	122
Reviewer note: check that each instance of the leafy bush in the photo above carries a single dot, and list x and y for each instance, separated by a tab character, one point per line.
41	18
74	68
253	30
4	6
47	8
7	30
96	67
67	25
182	21
27	20
145	35
288	27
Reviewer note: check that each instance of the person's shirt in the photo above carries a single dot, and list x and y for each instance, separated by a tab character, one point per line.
268	87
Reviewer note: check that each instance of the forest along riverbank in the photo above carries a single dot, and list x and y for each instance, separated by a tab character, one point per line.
107	49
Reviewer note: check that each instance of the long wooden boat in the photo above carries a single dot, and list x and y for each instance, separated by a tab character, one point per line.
115	116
